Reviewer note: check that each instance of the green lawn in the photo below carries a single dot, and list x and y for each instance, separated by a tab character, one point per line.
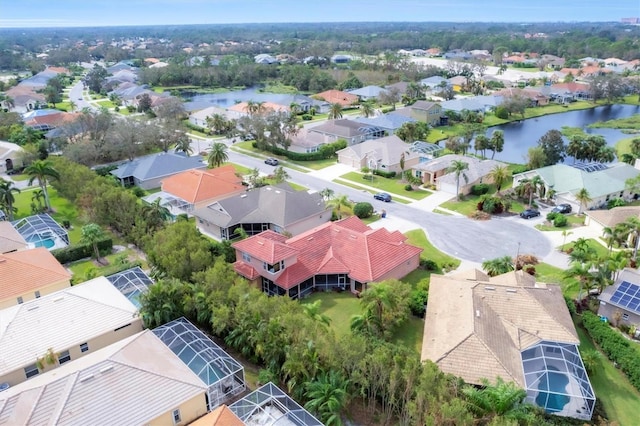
618	397
20	177
393	186
353	185
573	221
418	238
81	267
107	104
632	122
550	274
410	334
340	307
470	203
601	250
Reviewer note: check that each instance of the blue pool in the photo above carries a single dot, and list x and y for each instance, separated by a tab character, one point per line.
39	240
552	384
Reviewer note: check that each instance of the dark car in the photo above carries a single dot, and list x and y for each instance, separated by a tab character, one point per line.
562	208
529	213
383	196
271	161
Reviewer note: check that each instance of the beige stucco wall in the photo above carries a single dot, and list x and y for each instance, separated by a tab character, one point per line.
403	269
18	376
190	410
31	295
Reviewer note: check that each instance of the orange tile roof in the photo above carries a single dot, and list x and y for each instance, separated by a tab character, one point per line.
28	270
338	97
54	120
347	246
59	70
198	185
246	270
221	416
266	106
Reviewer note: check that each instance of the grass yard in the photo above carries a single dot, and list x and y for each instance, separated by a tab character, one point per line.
553	275
107	104
340	307
470	204
353	185
80	268
573	221
19	178
417	237
393	186
618	397
601	251
627	123
410	334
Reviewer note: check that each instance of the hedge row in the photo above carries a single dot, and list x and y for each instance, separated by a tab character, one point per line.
615	346
81	251
325	151
389	175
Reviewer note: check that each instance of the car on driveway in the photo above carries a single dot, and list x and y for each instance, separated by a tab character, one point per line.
383	196
271	161
529	213
562	208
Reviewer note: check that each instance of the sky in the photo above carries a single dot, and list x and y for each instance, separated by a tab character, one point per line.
91	13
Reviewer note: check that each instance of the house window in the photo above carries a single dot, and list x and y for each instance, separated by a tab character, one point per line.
20	301
625	317
246	257
276	267
31	370
37	294
64	356
176	416
84	347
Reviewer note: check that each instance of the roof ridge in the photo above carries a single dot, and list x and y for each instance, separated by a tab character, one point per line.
446	354
496	357
68	388
99	302
545	308
33	407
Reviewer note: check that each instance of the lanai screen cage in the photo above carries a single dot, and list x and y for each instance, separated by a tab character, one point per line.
556	380
268	405
223	375
41	230
131	283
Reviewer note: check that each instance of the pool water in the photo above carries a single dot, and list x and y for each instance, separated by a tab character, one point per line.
39	241
557	382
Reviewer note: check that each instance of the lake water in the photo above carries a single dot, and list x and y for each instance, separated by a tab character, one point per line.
520	136
196	101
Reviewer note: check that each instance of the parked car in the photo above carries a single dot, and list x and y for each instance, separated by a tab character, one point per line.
562	208
529	213
271	161
383	196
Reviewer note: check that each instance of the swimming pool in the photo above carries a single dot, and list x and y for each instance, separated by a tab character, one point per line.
42	240
553	387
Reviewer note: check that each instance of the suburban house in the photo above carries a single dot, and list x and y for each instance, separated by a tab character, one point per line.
381	154
434	83
132	283
221	416
389	122
436	172
509	327
44	333
197	188
307	141
41	230
265	59
46	122
199	118
342	255
30	274
341	59
306	104
279	208
602	181
425	111
269	405
620	302
457	83
9	156
25	98
368	93
149	171
472	103
350	130
333	96
598	220
242	109
10	239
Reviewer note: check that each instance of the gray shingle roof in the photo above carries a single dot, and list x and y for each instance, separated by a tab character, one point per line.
387	121
157	165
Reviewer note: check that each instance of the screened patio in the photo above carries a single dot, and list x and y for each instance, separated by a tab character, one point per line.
556	380
42	230
270	406
223	375
131	283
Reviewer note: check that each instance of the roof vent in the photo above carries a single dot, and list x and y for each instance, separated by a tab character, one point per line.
310	238
490	288
260	242
33	308
268	188
86	378
477	313
243	196
107	368
59	298
512	290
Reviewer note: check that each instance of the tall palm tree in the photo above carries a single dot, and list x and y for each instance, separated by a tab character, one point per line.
335	111
367	110
184	145
632	228
537	186
458	167
583	197
43	171
338	202
218	155
7	188
499	175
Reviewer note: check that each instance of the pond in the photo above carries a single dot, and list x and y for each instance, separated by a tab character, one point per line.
520	136
196	101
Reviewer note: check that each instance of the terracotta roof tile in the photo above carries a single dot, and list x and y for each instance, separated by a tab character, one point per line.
221	416
246	270
28	270
198	185
337	97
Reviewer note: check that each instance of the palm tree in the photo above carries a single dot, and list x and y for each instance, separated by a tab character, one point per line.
184	145
581	272
280	175
37	199
499	175
217	123
255	108
91	235
537	186
312	310
217	155
335	111
378	300
327	396
7	188
458	167
72	106
367	109
583	197
327	194
338	202
632	227
42	170
504	399
498	266
156	214
565	234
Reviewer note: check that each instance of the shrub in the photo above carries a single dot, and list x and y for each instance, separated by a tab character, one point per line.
417	300
502	112
428	265
408	187
551	216
363	210
81	251
326	151
307	117
616	202
389	175
480	189
138	192
560	221
491	205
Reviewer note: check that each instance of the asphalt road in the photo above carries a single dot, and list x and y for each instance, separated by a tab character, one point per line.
461	237
75	94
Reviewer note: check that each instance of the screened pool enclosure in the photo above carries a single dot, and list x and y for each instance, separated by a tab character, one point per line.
41	230
131	283
556	380
268	405
223	375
